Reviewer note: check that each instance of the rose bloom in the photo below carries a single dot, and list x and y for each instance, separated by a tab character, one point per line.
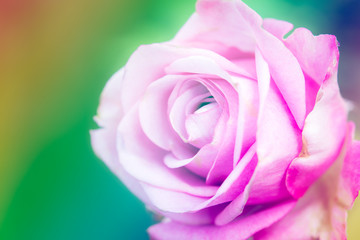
231	131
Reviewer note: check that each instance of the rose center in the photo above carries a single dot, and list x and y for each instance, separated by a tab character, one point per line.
206	101
201	121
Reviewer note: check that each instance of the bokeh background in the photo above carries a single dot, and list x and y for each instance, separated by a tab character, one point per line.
55	57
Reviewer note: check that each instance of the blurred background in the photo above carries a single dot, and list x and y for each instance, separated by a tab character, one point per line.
55	58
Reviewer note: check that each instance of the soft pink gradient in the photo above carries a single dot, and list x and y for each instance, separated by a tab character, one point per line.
231	131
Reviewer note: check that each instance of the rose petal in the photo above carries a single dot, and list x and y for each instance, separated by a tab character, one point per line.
135	81
277	56
264	79
268	184
224	136
321	213
278	140
199	126
218	25
135	149
317	55
350	174
241	187
201	217
222	92
248	113
247	66
312	89
323	136
197	64
109	111
233	186
103	141
172	201
177	112
241	28
234	209
226	97
210	63
236	182
278	28
242	228
154	117
200	164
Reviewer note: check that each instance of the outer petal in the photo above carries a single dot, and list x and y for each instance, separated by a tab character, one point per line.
290	79
323	136
110	110
276	27
278	140
207	62
317	55
350	184
218	25
172	201
241	228
321	213
137	80
103	142
201	217
197	64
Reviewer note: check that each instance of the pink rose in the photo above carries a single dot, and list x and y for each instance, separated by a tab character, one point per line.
231	131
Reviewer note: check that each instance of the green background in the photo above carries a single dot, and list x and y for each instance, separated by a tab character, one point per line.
55	58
